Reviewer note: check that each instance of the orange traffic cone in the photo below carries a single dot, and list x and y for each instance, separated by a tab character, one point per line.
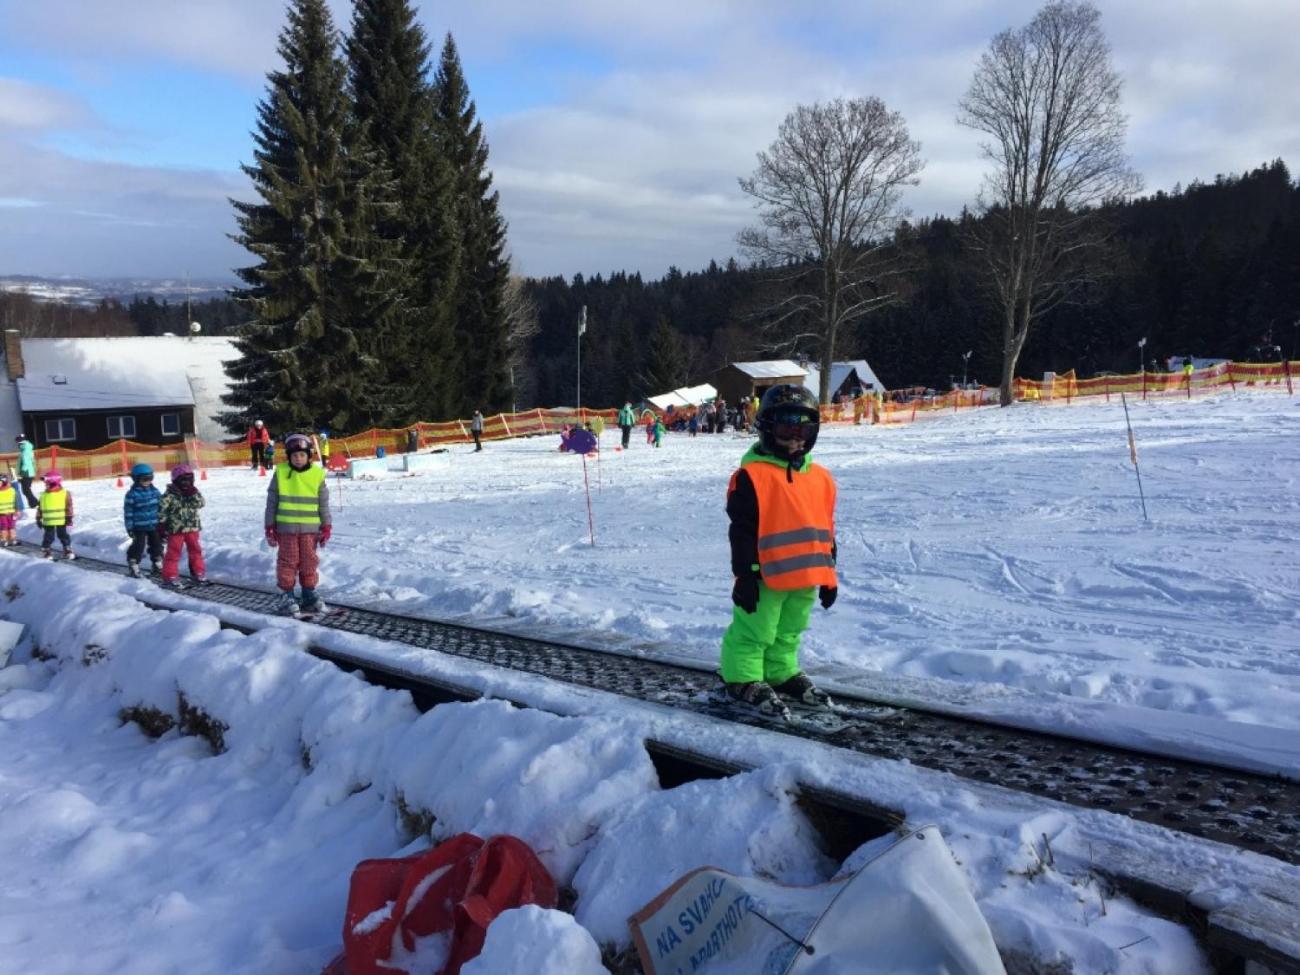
203	474
261	471
119	482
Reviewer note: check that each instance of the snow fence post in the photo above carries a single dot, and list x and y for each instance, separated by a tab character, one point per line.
591	525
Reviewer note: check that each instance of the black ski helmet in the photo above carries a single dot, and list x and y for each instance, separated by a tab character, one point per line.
787	403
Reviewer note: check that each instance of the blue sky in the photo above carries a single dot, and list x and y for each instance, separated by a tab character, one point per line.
617	129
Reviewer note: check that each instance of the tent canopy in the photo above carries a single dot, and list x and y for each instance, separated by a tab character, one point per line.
685	396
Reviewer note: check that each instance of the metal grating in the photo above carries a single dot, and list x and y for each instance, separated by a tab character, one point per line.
1243	809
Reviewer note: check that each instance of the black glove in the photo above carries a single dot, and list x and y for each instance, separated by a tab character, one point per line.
827	596
745	592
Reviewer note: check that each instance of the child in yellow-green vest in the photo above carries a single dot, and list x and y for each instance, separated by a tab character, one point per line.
297	521
11	509
54	514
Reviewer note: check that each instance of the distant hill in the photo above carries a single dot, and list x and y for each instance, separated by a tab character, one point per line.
90	291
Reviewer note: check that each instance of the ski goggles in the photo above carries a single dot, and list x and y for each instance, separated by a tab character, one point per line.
792	425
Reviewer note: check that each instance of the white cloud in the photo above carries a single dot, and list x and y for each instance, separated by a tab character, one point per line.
37	108
632	161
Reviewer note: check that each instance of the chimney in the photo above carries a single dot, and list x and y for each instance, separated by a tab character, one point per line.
14	354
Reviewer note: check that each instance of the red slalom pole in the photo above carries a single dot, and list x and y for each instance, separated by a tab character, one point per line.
591	525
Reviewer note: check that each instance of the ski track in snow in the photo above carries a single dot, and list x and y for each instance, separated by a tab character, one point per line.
1002	548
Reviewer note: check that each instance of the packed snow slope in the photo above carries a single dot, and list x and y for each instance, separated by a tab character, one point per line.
999	549
995	558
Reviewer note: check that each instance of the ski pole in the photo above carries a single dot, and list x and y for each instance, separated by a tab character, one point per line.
1133	454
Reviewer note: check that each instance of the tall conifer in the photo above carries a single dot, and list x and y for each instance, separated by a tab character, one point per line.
314	293
481	330
393	105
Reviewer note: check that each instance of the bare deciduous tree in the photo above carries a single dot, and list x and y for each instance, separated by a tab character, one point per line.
1048	98
829	194
520	313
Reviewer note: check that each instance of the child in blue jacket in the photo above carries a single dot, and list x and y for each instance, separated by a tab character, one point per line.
140	511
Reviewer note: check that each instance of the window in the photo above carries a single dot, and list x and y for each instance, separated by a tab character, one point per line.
171	424
121	427
57	431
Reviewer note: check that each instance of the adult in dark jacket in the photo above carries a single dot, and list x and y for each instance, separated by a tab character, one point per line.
476	429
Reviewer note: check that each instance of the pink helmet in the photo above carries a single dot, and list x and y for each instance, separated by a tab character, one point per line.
53	479
182	470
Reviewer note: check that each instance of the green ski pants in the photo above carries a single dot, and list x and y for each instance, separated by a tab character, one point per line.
764	645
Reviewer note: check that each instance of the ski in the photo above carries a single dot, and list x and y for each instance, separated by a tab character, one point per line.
316	617
797	715
848	712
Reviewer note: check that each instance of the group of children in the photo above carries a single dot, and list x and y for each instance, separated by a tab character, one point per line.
164	523
781	508
297	522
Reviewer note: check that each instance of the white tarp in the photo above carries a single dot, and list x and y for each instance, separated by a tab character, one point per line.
906	910
685	396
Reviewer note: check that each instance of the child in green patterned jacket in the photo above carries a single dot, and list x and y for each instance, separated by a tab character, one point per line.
180	525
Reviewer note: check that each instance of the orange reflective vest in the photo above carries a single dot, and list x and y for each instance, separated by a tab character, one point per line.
796	525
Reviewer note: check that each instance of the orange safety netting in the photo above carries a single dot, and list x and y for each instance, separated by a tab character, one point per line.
891	407
116	459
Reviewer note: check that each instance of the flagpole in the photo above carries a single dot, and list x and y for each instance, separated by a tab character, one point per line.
581	328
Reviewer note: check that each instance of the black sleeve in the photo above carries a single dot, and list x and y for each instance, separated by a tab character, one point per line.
742	509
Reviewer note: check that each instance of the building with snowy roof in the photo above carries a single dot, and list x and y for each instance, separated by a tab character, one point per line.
83	393
740	380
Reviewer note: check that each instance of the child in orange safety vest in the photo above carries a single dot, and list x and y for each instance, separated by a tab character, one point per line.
782	533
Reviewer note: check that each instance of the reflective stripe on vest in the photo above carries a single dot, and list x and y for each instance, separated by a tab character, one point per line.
54	508
8	500
299	495
796	525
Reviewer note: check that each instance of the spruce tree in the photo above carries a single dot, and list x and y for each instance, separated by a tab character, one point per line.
665	368
388	62
306	355
481	331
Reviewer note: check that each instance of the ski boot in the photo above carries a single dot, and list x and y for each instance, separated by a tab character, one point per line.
312	605
47	553
200	580
172	583
758	696
133	569
69	554
802	690
286	605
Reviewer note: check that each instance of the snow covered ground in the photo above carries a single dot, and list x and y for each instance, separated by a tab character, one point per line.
997	561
